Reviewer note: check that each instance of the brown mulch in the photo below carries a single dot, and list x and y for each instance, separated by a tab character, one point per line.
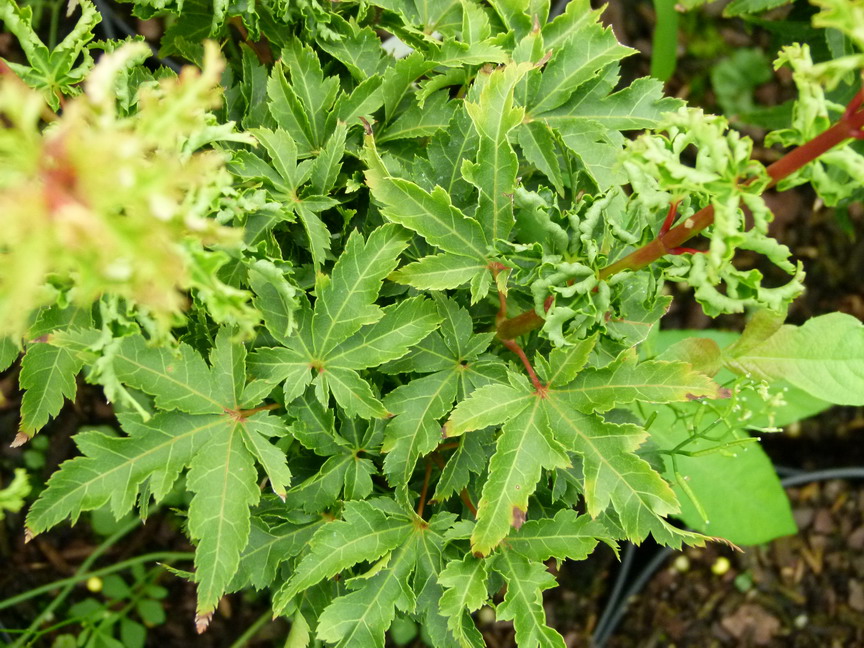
800	591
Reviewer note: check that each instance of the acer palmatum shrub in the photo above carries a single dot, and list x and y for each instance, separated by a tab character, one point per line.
393	323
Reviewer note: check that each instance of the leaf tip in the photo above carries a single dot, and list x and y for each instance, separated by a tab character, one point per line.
28	534
519	517
20	439
202	621
366	125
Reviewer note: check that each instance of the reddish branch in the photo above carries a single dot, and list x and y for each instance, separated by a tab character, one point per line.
423	492
261	408
515	348
466	498
261	48
670	240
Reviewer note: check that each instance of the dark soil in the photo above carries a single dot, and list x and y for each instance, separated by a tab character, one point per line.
801	591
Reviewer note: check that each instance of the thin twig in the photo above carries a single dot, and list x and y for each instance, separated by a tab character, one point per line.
849	126
261	48
463	494
422	504
515	348
261	408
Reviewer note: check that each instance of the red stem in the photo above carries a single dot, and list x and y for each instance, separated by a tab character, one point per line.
261	408
495	268
850	125
515	348
466	498
422	504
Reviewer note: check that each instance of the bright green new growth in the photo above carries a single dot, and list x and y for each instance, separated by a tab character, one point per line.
360	308
111	200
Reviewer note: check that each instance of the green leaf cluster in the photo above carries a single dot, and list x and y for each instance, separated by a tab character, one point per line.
296	299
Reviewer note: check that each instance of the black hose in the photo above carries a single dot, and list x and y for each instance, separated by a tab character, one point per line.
616	606
112	22
107	24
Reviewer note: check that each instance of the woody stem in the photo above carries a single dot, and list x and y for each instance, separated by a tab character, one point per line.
849	126
422	504
515	348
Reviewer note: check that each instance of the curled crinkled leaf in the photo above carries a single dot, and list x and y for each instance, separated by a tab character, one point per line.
62	213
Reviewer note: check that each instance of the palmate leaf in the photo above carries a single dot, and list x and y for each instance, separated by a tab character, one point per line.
523	602
346	301
415	430
599	390
464	583
430	214
291	175
47	378
613	473
200	427
494	174
346	331
368	530
343	471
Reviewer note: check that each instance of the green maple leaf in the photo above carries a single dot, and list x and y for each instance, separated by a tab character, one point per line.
415	430
344	470
361	617
369	530
528	443
202	426
494	174
465	591
346	331
56	72
523	602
